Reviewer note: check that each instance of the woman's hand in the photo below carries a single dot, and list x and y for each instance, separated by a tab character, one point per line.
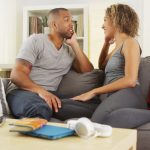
85	97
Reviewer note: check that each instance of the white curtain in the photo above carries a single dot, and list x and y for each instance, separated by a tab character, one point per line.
7	31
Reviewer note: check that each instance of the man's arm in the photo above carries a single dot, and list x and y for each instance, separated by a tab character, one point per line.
81	62
103	56
20	76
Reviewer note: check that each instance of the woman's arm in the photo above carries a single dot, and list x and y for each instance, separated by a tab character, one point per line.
131	52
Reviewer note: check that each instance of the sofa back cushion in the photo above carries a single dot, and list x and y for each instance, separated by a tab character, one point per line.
144	76
74	83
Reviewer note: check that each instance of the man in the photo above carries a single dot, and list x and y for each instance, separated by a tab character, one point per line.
41	64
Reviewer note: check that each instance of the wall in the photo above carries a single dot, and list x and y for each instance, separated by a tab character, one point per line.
96	14
24	3
146	28
7	31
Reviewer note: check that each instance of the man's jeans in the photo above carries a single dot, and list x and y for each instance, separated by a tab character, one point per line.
25	103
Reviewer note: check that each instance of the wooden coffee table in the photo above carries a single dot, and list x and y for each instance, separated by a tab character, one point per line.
121	139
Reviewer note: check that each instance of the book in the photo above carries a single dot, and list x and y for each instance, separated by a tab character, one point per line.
38	128
27	124
35	25
51	132
74	26
80	26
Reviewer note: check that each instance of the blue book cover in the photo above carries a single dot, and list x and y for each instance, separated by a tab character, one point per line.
50	132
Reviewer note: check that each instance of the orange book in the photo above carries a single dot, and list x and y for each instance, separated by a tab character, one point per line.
27	124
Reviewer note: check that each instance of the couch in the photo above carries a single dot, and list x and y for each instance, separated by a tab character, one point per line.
75	83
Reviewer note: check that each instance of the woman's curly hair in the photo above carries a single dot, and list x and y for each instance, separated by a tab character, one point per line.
124	18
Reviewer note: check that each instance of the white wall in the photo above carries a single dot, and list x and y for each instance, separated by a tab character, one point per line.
97	12
146	28
24	3
7	31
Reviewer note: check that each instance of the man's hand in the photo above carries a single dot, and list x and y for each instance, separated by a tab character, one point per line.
72	40
52	100
109	40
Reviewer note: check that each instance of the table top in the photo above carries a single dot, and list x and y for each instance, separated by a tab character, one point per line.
121	139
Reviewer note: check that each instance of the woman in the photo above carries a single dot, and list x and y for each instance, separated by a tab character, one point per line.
121	87
120	98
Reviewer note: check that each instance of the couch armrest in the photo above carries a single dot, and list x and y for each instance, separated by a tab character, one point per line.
6	81
143	137
8	85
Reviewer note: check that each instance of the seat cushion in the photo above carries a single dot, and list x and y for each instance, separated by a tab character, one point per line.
74	83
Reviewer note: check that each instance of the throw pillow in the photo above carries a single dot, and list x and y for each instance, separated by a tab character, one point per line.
74	83
144	76
4	110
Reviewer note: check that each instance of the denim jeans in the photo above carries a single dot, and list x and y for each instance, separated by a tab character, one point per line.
25	103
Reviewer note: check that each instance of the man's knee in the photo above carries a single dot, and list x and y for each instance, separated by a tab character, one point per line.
30	105
41	111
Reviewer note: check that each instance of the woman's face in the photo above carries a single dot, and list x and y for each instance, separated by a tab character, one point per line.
109	29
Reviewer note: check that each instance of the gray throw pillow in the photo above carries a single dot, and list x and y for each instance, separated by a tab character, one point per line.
74	83
144	76
4	110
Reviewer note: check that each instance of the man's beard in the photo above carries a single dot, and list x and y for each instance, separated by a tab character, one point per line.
67	35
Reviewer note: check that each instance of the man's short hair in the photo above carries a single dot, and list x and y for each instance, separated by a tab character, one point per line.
56	11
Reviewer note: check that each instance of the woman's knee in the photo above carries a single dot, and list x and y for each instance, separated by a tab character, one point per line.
125	118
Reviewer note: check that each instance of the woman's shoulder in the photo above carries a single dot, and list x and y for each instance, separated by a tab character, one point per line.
131	45
130	42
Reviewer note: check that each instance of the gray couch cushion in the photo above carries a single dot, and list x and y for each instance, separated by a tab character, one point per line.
74	83
144	75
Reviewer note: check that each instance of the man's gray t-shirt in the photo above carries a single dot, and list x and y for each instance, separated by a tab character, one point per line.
48	64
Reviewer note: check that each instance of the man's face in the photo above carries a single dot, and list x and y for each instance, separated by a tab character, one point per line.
64	26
